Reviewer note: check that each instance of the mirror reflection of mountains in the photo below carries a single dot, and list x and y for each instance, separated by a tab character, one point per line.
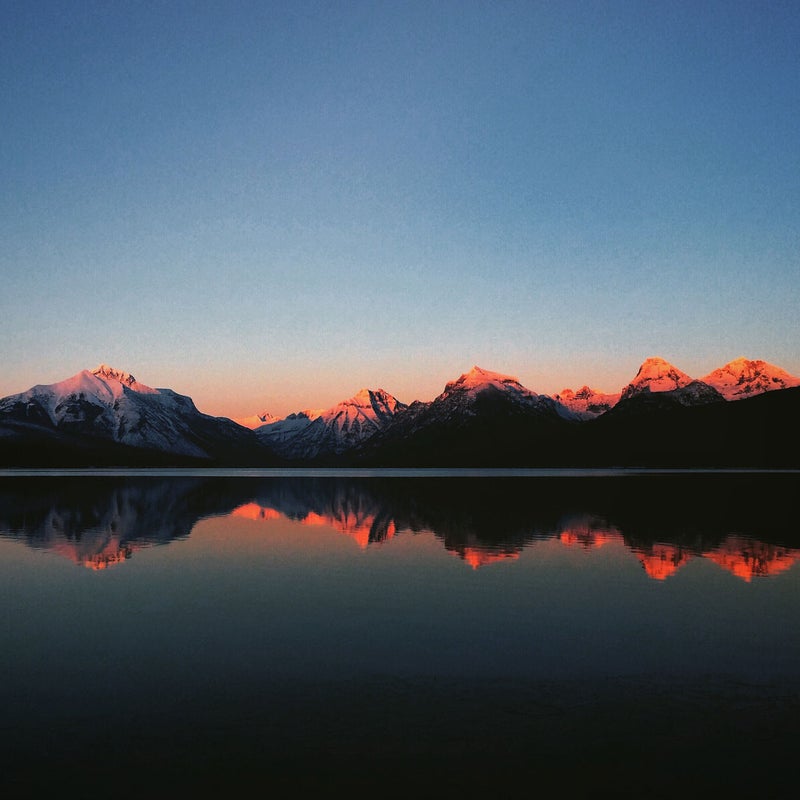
742	523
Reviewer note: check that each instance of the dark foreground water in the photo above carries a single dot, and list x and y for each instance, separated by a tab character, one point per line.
399	635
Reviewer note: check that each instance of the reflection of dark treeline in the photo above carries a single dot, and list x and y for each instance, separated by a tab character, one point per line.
696	512
135	509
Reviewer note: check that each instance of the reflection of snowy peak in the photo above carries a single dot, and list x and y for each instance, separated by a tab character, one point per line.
310	434
742	378
587	403
111	405
656	375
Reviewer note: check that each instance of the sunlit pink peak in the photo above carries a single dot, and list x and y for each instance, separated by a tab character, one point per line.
742	377
586	402
656	375
478	378
104	371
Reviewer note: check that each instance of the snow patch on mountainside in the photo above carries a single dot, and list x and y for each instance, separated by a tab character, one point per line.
587	403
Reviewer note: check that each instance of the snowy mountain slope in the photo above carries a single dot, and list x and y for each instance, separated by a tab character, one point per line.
332	431
110	405
694	393
587	403
743	378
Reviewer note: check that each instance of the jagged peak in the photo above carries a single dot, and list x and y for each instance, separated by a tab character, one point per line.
105	371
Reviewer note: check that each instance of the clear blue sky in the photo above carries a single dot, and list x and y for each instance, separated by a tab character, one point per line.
271	205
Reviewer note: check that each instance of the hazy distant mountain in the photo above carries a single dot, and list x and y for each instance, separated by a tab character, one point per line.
742	378
256	420
107	414
333	431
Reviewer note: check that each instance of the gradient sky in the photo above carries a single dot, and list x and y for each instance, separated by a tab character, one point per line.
271	205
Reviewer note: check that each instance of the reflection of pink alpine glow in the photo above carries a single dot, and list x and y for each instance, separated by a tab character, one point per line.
589	535
748	559
113	553
662	560
476	557
745	558
360	527
255	511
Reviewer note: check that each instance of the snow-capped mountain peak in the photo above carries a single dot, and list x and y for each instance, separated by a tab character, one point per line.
256	420
111	406
656	375
478	379
463	395
376	399
313	433
106	373
743	377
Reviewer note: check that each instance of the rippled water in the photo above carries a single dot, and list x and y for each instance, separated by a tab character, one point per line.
399	631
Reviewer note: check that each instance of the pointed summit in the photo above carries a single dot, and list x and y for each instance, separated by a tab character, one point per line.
743	378
656	375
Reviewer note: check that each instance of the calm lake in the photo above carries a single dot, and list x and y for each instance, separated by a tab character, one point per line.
407	632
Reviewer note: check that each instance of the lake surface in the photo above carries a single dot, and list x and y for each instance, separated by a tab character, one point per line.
399	632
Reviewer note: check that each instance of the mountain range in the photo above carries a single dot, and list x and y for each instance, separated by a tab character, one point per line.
743	414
